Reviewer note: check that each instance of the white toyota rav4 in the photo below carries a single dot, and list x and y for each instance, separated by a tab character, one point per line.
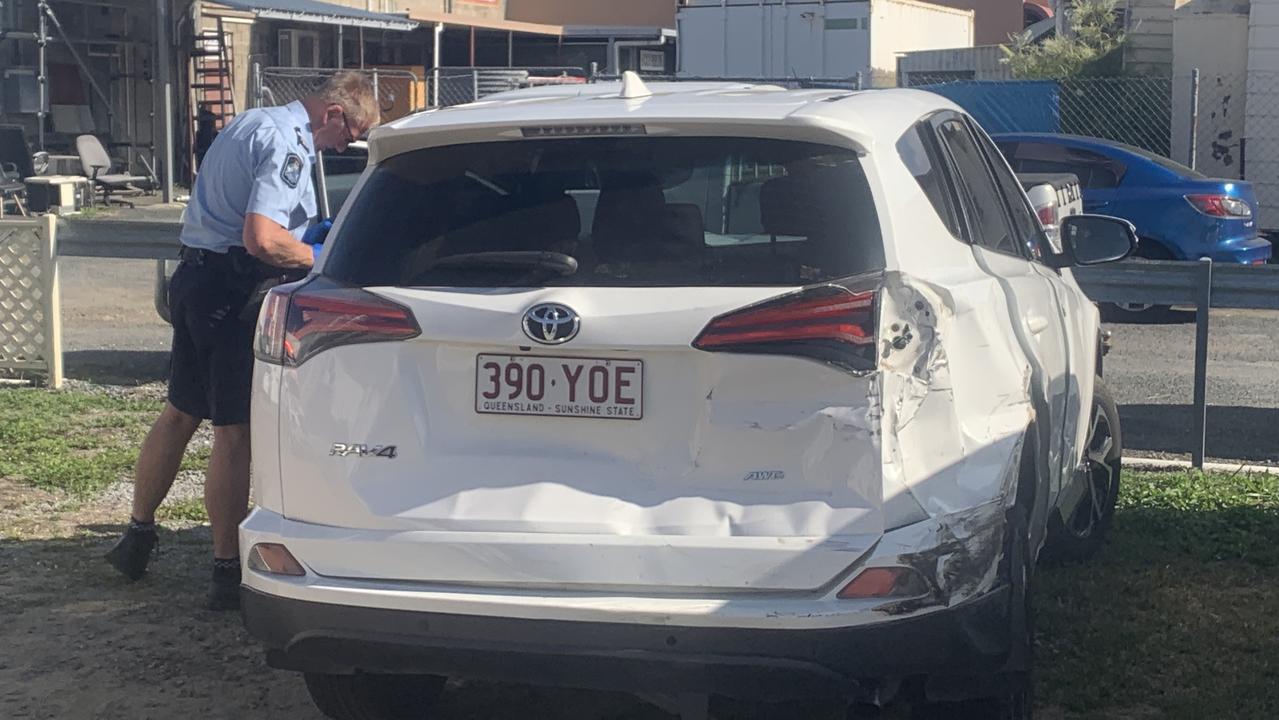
694	390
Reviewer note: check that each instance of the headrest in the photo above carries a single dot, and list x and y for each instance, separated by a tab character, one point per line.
784	209
684	226
627	216
535	227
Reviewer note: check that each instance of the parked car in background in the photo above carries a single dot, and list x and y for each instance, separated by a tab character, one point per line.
692	389
1054	196
1180	214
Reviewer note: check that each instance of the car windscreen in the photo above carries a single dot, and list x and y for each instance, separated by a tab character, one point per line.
611	211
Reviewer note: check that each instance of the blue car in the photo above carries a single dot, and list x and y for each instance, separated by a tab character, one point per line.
1180	214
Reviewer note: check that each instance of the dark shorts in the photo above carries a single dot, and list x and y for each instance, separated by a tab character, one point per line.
211	362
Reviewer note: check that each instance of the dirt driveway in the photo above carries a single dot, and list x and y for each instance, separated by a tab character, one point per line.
77	641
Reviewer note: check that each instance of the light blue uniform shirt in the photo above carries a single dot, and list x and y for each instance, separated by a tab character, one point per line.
260	163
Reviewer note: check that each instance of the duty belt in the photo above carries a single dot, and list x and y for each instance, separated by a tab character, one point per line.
235	260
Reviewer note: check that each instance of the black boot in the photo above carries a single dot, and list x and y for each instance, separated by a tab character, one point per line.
224	591
133	551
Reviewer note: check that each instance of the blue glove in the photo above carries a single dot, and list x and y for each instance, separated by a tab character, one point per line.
315	252
316	233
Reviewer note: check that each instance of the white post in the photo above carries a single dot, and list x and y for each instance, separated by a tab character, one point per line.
52	301
435	64
164	54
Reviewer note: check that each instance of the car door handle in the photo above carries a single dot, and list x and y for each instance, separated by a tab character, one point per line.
1037	323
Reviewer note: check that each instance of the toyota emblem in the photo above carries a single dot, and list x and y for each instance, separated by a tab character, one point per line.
551	324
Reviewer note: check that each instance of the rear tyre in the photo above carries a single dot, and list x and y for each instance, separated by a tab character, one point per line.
1077	535
374	697
1140	312
1014	698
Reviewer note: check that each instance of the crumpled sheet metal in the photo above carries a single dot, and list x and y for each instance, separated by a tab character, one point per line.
955	398
956	554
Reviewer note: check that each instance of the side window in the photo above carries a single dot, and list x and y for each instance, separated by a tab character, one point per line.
1095	172
1009	151
986	217
919	152
1025	224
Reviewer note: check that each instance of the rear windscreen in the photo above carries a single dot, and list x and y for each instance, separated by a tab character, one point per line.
633	211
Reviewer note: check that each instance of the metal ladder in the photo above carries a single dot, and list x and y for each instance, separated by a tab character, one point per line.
212	81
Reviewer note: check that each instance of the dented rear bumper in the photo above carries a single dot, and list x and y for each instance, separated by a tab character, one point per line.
752	645
953	648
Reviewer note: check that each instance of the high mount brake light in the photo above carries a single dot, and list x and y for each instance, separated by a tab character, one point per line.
297	323
829	323
542	131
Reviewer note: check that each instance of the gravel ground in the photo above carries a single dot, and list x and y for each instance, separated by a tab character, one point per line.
1151	371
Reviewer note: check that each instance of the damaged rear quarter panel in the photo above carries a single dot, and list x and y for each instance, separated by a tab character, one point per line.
955	395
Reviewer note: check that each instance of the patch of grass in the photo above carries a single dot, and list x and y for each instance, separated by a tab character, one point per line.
188	509
72	441
1179	616
197	458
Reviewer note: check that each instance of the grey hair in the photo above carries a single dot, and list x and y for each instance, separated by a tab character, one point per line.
354	92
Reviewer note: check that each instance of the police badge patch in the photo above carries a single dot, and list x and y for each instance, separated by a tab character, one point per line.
291	173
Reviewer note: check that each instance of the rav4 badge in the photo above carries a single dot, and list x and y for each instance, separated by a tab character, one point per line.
347	450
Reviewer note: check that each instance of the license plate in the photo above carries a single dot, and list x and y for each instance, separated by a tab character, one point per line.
559	386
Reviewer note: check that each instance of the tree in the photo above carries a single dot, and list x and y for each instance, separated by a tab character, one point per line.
1090	48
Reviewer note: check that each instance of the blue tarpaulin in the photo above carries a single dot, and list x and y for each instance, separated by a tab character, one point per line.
1026	106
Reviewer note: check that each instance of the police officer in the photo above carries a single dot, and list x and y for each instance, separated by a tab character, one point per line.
249	213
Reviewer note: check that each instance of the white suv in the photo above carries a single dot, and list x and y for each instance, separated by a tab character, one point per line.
706	389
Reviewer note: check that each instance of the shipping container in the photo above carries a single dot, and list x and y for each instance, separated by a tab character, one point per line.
832	39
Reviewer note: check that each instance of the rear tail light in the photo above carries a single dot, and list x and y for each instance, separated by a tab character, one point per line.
829	323
884	583
1220	206
298	322
1047	217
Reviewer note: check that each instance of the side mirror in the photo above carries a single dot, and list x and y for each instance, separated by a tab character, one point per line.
1096	239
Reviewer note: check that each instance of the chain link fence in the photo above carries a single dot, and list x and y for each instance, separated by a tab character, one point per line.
1133	110
399	92
855	82
460	85
1258	150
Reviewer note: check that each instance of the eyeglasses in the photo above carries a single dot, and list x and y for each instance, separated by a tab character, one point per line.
350	136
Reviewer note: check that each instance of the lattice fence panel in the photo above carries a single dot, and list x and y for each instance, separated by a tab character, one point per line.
30	329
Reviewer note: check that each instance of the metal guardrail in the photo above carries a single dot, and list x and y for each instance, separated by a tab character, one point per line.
1161	282
135	239
1203	284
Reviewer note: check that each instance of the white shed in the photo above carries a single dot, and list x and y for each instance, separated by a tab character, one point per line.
1261	126
831	39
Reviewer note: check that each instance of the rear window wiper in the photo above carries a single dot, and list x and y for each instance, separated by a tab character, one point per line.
538	263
